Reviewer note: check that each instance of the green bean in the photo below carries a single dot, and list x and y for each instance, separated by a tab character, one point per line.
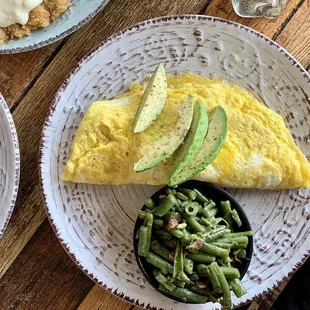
181	225
209	205
166	204
149	203
224	285
237	287
219	220
225	207
236	239
179	208
241	254
158	222
194	276
248	233
178	262
185	295
148	222
216	233
141	214
165	283
192	208
170	214
202	270
184	203
185	278
201	257
181	196
229	220
230	272
161	250
200	197
207	213
175	232
161	234
215	250
236	217
143	241
168	191
188	265
215	282
239	246
189	193
164	266
186	239
194	224
171	244
206	221
179	283
227	261
174	192
223	245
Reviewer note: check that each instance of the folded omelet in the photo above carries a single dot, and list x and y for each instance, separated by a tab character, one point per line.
259	151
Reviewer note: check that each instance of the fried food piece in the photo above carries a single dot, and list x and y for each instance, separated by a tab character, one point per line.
39	17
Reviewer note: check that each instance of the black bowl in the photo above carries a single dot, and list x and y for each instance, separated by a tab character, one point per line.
215	193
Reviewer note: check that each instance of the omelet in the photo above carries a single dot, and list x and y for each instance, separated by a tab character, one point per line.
259	151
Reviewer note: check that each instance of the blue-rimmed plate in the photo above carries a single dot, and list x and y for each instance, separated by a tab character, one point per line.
75	17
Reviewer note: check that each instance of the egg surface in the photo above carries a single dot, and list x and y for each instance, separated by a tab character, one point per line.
259	151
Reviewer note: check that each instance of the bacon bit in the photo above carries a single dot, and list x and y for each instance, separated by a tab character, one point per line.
172	255
235	260
172	223
201	284
196	245
199	243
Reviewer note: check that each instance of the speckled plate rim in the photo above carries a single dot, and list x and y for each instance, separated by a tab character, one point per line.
52	40
114	38
16	153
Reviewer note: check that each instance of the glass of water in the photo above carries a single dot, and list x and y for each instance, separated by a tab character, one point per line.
259	8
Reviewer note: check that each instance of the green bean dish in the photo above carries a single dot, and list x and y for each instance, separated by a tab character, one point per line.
193	246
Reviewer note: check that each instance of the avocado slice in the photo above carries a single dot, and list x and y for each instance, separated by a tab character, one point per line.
213	142
193	141
153	100
166	145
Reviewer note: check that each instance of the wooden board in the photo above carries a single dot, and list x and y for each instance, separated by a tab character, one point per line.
35	272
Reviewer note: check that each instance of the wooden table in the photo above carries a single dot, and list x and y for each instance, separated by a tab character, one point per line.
35	271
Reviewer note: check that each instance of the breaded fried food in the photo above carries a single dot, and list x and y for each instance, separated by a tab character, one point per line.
39	17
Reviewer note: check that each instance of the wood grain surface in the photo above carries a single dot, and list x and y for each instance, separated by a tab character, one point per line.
35	272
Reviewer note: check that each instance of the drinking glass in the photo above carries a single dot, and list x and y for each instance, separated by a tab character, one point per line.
259	8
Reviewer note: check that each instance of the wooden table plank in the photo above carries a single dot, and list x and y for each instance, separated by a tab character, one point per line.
24	224
99	299
18	71
43	277
296	36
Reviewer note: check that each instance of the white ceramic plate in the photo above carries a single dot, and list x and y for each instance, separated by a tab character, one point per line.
9	165
95	223
75	17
